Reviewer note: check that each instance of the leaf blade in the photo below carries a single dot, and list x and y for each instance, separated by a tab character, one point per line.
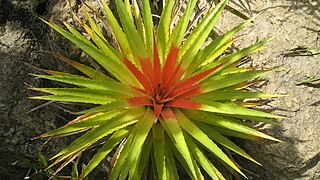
159	150
112	86
172	127
223	122
203	160
234	94
115	68
198	36
92	136
201	137
143	127
225	142
104	151
164	29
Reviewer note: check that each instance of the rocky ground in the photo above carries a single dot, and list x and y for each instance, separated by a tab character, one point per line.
295	23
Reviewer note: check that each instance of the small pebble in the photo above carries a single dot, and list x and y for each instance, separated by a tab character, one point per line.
310	89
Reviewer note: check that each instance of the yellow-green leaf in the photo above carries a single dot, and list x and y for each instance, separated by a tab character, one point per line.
104	151
201	137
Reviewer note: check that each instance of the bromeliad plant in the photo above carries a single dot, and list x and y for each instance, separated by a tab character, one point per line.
167	99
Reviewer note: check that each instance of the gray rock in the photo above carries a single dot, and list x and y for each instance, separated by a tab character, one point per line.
22	34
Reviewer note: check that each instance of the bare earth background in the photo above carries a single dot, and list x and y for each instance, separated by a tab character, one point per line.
295	23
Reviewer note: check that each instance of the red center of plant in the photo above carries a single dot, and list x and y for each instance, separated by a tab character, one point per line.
163	86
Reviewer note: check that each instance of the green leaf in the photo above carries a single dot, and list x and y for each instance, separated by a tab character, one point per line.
219	121
257	119
68	98
80	95
94	26
228	132
123	151
56	73
128	8
201	137
221	40
159	150
172	128
82	168
112	86
92	73
232	58
233	109
180	29
173	149
74	172
308	81
219	82
215	48
103	45
146	149
93	136
42	159
164	28
143	128
137	18
171	169
117	31
70	159
148	26
198	36
176	155
141	159
198	170
234	70
89	121
83	92
135	40
202	159
209	54
77	34
224	141
97	30
107	107
234	94
116	69
104	151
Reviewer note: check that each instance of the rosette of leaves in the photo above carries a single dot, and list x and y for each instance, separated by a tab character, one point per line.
168	100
